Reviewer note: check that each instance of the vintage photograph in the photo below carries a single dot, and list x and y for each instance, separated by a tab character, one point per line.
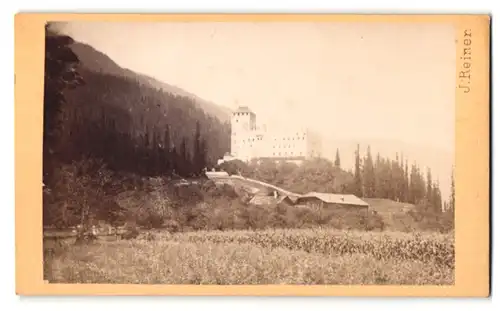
249	153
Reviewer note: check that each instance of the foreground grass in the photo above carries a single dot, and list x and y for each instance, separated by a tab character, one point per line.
268	257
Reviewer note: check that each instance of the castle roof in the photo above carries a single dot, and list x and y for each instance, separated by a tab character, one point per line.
244	109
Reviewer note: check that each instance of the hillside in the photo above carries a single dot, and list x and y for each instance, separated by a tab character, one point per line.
138	107
388	206
96	61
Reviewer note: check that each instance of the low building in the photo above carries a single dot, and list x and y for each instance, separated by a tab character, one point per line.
330	200
216	175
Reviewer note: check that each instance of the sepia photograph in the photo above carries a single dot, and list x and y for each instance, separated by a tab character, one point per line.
243	153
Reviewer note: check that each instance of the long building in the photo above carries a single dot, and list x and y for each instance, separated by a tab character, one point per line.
280	141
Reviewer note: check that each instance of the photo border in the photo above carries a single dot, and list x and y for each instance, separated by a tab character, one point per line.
472	161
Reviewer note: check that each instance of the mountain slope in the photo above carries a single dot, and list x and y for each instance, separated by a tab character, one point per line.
139	108
96	61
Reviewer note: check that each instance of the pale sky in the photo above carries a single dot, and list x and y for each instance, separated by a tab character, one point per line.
345	80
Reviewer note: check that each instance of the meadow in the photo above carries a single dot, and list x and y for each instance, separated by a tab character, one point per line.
272	256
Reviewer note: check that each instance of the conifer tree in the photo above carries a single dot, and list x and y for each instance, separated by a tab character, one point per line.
406	183
429	192
337	159
175	162
197	150
167	156
414	185
437	203
185	167
379	193
368	175
401	180
358	183
158	153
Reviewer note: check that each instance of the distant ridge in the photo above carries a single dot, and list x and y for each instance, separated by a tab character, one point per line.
96	61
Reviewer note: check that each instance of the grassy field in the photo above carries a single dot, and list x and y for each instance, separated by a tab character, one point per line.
295	256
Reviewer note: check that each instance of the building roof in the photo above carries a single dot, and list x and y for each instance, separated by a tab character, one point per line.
348	199
216	175
244	109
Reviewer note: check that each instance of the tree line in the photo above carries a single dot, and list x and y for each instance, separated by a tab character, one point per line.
150	152
395	179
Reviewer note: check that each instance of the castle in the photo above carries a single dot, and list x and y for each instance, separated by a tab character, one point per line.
250	142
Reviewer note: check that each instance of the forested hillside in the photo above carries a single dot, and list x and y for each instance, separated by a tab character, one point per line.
117	115
106	130
140	110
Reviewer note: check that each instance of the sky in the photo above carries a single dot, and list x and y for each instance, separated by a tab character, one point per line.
344	80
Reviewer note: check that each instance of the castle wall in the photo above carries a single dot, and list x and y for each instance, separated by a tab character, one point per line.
249	142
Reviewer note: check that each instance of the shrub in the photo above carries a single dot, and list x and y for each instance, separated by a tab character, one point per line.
172	225
78	194
425	218
151	219
130	231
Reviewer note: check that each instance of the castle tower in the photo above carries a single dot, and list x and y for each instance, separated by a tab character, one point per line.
243	120
243	123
